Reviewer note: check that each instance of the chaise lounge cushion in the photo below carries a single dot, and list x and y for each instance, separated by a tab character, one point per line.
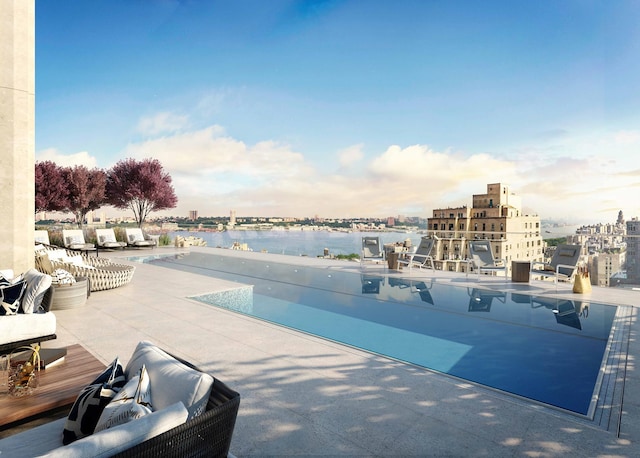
171	381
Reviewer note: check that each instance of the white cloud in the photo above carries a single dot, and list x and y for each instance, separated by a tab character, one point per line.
214	172
351	155
627	137
67	160
160	123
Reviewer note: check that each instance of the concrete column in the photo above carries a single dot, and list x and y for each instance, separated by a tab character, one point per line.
17	134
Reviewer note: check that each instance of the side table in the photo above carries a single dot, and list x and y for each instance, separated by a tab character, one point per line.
520	271
392	260
71	296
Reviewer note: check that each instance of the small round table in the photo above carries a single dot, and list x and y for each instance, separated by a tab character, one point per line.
70	296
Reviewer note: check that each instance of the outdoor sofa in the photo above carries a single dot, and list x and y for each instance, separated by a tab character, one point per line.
33	321
193	414
101	272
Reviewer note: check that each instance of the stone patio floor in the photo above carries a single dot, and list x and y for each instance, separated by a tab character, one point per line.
303	395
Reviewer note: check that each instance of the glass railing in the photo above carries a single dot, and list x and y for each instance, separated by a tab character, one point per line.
612	259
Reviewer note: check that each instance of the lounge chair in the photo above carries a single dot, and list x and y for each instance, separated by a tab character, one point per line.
421	257
482	260
107	239
42	236
371	250
563	264
135	238
74	240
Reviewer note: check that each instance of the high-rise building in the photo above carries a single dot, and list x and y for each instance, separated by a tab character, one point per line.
497	216
193	215
633	250
232	219
604	264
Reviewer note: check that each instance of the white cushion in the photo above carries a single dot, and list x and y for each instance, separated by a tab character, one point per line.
171	381
37	284
23	326
114	440
57	254
33	442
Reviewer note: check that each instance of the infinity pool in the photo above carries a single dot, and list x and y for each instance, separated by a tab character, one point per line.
547	350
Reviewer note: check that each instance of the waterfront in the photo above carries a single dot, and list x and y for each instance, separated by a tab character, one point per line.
299	243
313	242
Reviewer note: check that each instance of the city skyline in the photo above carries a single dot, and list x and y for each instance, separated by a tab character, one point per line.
349	109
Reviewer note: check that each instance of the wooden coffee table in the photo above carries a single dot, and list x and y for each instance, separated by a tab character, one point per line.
58	387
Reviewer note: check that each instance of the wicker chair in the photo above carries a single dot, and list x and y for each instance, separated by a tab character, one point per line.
102	273
207	435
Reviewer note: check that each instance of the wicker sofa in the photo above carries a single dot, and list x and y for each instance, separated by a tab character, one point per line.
101	272
206	434
27	328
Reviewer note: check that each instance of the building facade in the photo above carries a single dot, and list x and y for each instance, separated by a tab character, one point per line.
497	216
633	251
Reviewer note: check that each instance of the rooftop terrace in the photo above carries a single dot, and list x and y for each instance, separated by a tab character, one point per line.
303	395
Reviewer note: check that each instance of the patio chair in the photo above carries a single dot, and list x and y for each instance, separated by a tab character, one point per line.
107	239
371	250
135	238
482	260
74	240
42	236
421	257
563	264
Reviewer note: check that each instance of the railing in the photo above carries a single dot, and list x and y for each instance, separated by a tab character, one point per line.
613	259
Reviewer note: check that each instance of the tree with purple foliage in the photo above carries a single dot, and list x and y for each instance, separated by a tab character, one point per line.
51	189
143	186
86	190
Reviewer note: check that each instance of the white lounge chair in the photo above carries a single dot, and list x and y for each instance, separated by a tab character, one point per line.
481	259
421	257
371	250
107	239
74	240
135	238
563	264
42	236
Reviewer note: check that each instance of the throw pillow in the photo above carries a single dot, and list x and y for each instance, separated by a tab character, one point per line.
132	402
37	285
44	263
62	277
91	401
10	297
173	381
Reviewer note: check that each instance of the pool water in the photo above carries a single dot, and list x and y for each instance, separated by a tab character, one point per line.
547	350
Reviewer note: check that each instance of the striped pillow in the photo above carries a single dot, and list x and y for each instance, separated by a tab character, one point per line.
91	401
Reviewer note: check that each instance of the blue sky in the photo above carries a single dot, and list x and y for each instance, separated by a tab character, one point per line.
344	108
